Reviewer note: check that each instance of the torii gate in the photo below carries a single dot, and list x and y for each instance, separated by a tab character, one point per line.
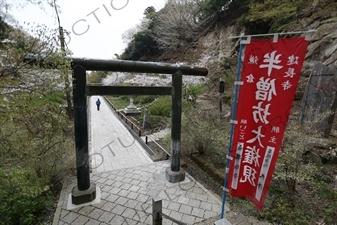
85	191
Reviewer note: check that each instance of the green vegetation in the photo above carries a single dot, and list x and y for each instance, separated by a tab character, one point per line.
192	91
141	45
175	27
120	102
37	151
161	107
36	135
56	98
144	99
272	15
196	122
4	28
282	212
24	197
324	191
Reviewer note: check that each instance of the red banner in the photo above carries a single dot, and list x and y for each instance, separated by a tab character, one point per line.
270	75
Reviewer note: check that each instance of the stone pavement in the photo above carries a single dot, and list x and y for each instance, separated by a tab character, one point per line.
111	145
128	180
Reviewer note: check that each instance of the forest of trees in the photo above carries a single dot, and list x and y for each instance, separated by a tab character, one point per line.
171	29
175	27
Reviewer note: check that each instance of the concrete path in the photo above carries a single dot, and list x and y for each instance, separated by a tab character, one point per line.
111	144
128	180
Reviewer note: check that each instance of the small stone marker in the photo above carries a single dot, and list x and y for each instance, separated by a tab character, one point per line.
131	109
147	120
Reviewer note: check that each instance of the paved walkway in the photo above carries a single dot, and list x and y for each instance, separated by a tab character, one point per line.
128	180
111	144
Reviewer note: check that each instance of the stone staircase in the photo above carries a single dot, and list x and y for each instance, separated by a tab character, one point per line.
157	136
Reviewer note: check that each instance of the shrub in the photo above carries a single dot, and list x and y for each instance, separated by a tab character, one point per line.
291	167
23	197
36	152
193	91
281	212
201	129
330	211
55	97
161	107
144	99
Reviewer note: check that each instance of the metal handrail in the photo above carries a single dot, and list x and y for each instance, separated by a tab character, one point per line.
148	137
110	103
157	213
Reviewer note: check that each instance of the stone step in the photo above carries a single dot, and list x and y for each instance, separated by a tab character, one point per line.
158	135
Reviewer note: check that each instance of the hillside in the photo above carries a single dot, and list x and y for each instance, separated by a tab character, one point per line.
207	43
313	199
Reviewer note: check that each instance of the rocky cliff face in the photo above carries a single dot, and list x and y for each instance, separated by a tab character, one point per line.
216	45
323	43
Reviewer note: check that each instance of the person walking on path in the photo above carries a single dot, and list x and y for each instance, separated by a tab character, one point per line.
98	103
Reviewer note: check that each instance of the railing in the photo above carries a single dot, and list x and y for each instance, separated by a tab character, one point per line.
133	126
128	121
157	214
154	141
110	103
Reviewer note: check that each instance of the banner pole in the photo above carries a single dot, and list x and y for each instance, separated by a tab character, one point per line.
272	34
231	131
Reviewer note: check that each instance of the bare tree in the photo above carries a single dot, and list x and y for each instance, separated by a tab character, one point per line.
174	27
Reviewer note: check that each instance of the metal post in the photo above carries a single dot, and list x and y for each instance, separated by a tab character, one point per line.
220	104
84	191
157	218
221	91
233	114
175	173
